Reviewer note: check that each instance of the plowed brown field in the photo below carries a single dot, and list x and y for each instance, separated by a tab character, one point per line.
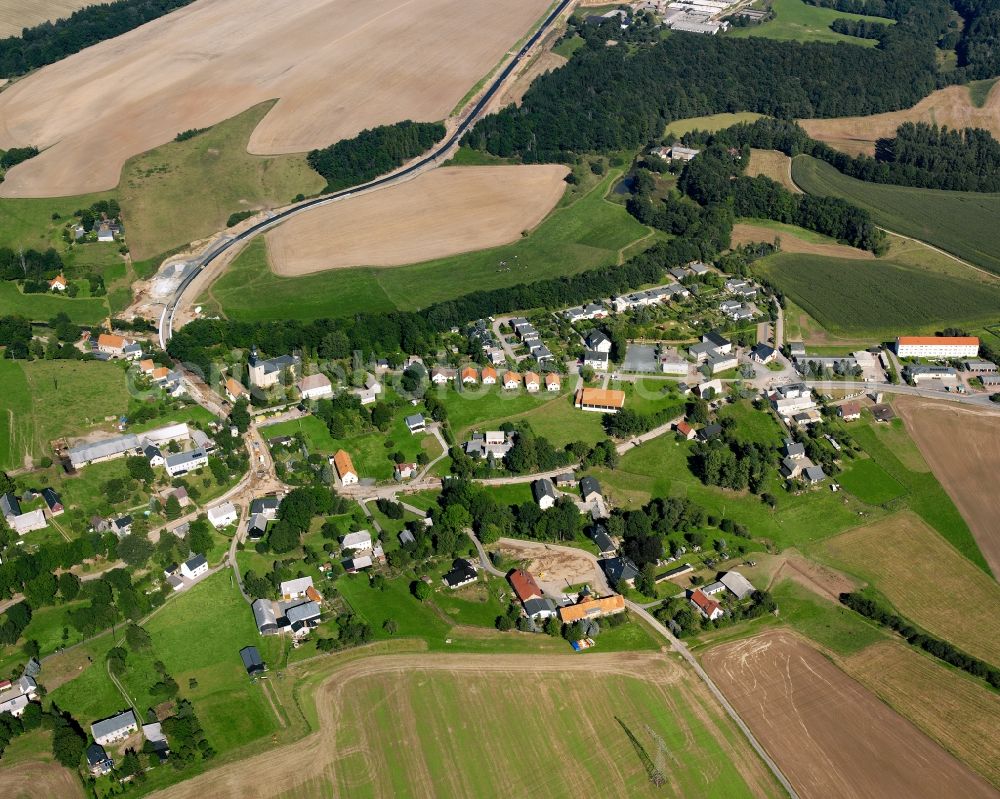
831	737
744	233
443	212
32	780
337	66
963	450
962	715
951	107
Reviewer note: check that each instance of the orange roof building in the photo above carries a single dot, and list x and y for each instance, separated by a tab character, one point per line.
705	605
511	380
553	382
235	389
603	400
345	468
108	342
146	365
160	373
489	375
592	607
58	283
937	346
524	585
470	375
532	381
313	594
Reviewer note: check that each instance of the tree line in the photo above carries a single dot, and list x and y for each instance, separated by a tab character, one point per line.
49	42
920	154
941	649
373	152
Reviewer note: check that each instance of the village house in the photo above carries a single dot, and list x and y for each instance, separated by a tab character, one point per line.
600	400
493	442
114	729
596	360
524	584
462	573
470	376
605	543
98	762
511	381
235	391
404	471
415	423
256	527
184	462
315	386
490	375
52	501
265	373
594	310
590	490
58	283
15	696
705	605
441	375
359	541
620	570
195	567
222	515
293	589
597	341
553	382
532	382
762	353
345	468
544	493
849	411
684	430
122	526
112	345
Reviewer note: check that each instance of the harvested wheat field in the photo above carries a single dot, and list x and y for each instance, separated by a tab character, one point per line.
952	107
775	165
795	240
33	779
16	15
963	450
962	715
831	737
926	579
442	212
504	726
336	67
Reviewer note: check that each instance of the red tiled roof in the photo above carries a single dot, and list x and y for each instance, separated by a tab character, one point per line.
944	340
524	585
703	601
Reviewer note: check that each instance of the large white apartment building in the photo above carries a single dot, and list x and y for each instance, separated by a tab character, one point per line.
937	346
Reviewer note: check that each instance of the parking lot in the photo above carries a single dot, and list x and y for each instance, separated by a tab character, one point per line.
641	358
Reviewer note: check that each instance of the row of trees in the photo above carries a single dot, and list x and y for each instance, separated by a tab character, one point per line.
935	646
373	152
49	42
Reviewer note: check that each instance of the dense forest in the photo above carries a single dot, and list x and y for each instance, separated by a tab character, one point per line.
611	98
374	152
920	155
52	41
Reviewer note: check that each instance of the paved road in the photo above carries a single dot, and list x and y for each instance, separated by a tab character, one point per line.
685	653
975	400
227	242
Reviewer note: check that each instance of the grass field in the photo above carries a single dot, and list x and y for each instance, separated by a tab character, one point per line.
926	580
869	482
33	410
587	233
183	191
877	298
962	717
797	21
962	223
827	623
412	725
752	426
42	307
710	123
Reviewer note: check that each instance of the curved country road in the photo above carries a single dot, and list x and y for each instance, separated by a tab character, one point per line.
226	243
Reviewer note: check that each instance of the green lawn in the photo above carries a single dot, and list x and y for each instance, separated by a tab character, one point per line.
875	299
798	21
710	123
587	233
164	209
826	622
232	710
962	223
42	307
34	410
979	90
753	426
869	482
567	47
486	407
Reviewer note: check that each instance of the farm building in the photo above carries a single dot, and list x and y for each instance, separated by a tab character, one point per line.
252	661
345	468
677	571
293	589
705	605
114	729
937	346
264	616
591	607
737	584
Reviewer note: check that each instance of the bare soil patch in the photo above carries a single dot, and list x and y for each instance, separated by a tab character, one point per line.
442	212
32	779
744	233
337	67
963	449
950	106
831	737
555	568
545	61
15	15
926	579
821	580
775	165
962	716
